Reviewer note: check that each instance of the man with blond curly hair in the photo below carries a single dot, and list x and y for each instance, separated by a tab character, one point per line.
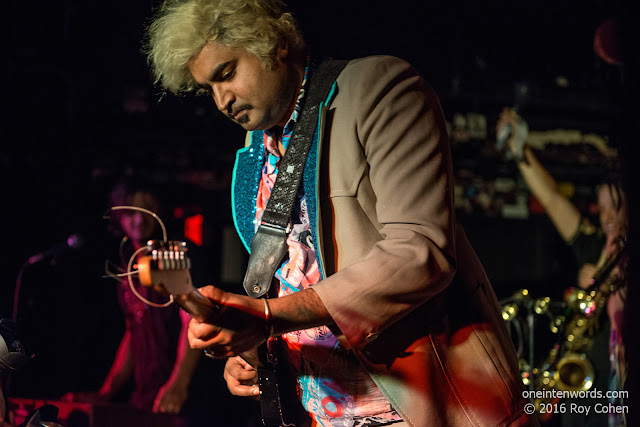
386	313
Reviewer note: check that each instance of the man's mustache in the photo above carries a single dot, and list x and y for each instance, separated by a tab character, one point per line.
232	113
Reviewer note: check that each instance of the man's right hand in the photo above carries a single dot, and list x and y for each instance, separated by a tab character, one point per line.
512	132
241	377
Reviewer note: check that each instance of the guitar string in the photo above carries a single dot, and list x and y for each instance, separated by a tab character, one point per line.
130	272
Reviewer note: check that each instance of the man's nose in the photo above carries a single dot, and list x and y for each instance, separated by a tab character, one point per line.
222	97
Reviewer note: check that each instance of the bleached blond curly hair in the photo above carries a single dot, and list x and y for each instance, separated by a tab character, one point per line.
181	28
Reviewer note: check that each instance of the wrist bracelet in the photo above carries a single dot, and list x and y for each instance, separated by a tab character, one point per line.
268	319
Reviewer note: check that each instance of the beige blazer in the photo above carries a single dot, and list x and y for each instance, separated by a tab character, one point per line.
404	286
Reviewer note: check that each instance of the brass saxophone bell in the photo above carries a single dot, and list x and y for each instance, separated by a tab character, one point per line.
574	372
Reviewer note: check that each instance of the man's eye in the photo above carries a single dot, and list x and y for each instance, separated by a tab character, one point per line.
227	75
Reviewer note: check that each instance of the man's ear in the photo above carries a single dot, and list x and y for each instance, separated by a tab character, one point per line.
283	50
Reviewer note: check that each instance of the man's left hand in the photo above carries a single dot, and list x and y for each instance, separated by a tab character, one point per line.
240	325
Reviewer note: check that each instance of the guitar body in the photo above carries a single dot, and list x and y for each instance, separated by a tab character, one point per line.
272	374
279	401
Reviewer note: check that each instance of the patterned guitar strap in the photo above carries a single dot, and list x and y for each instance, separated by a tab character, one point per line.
269	244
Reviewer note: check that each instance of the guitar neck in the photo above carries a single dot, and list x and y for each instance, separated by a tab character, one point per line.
198	307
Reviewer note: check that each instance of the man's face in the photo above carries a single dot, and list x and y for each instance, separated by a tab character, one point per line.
242	89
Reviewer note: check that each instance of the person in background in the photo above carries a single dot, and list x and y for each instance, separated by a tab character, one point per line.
387	315
167	376
595	246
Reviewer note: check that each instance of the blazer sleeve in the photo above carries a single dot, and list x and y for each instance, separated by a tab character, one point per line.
406	190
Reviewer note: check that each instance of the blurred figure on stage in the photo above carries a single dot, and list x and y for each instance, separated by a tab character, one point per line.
599	250
167	376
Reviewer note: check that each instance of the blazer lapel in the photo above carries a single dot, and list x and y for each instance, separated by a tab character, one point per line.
244	187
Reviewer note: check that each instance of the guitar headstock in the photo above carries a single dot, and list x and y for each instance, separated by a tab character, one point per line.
166	267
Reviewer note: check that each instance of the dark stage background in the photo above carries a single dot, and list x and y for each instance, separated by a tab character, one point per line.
80	109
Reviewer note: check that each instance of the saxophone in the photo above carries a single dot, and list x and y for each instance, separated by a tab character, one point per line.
566	366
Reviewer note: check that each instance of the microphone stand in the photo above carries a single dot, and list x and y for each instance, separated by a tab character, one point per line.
16	293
